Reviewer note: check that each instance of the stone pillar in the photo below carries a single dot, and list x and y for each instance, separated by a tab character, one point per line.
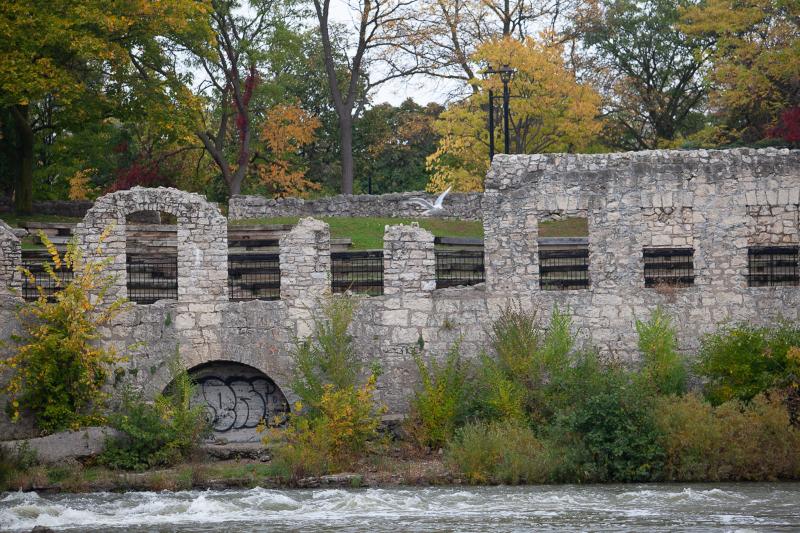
10	260
305	263
409	262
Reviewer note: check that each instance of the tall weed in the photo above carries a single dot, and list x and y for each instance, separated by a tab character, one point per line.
440	403
662	364
327	356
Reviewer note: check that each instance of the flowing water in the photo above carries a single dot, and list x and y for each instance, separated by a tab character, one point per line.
654	507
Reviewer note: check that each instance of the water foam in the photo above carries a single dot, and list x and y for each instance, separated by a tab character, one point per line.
424	509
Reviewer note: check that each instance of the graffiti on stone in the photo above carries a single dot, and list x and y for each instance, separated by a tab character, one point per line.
239	402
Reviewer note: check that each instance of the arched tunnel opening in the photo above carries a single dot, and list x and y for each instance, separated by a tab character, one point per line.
237	397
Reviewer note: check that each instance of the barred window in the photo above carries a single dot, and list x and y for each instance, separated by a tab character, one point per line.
773	266
564	269
254	276
459	267
672	267
357	272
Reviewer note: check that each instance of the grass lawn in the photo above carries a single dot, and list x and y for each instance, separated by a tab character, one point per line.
14	220
367	232
569	227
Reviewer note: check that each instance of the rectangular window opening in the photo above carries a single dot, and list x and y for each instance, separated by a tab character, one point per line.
456	268
254	276
564	266
360	272
671	267
773	266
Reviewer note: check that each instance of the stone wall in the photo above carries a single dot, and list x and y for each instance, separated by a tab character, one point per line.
716	202
461	206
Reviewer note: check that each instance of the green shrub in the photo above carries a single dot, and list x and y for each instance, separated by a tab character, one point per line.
501	452
327	356
15	460
731	442
742	361
610	427
440	403
159	433
658	343
528	359
58	370
336	421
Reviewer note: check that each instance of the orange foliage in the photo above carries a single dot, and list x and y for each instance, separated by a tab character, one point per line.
288	129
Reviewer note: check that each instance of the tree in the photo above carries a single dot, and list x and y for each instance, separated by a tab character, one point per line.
64	62
232	68
550	112
448	32
379	32
655	89
288	129
755	72
392	144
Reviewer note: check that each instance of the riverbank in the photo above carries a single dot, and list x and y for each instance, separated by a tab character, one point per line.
203	473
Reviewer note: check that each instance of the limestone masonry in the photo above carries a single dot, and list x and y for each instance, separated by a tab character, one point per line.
717	203
460	205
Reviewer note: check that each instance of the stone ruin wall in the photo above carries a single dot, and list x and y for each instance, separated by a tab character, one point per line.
717	202
460	206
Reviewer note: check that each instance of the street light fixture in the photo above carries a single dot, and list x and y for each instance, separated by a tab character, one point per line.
506	73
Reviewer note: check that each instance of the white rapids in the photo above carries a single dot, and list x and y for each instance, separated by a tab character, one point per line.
653	507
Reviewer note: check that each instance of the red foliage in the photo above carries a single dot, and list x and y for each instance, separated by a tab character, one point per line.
241	118
788	127
143	174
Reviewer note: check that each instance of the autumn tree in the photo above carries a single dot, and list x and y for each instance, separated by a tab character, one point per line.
550	112
287	130
64	63
755	71
447	33
655	90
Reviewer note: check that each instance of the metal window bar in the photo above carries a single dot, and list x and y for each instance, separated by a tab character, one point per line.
254	277
459	267
564	269
152	278
42	279
668	266
357	272
773	266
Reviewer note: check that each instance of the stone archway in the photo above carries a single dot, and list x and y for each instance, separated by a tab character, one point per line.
202	239
237	397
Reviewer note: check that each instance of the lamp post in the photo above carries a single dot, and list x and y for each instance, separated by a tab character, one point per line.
506	73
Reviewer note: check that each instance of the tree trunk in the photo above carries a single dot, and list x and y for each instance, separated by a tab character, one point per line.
346	138
23	186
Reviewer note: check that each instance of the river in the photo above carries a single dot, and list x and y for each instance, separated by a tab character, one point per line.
652	507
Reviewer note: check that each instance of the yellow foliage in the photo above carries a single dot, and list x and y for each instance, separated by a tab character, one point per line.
550	112
79	188
343	428
59	371
757	53
288	129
